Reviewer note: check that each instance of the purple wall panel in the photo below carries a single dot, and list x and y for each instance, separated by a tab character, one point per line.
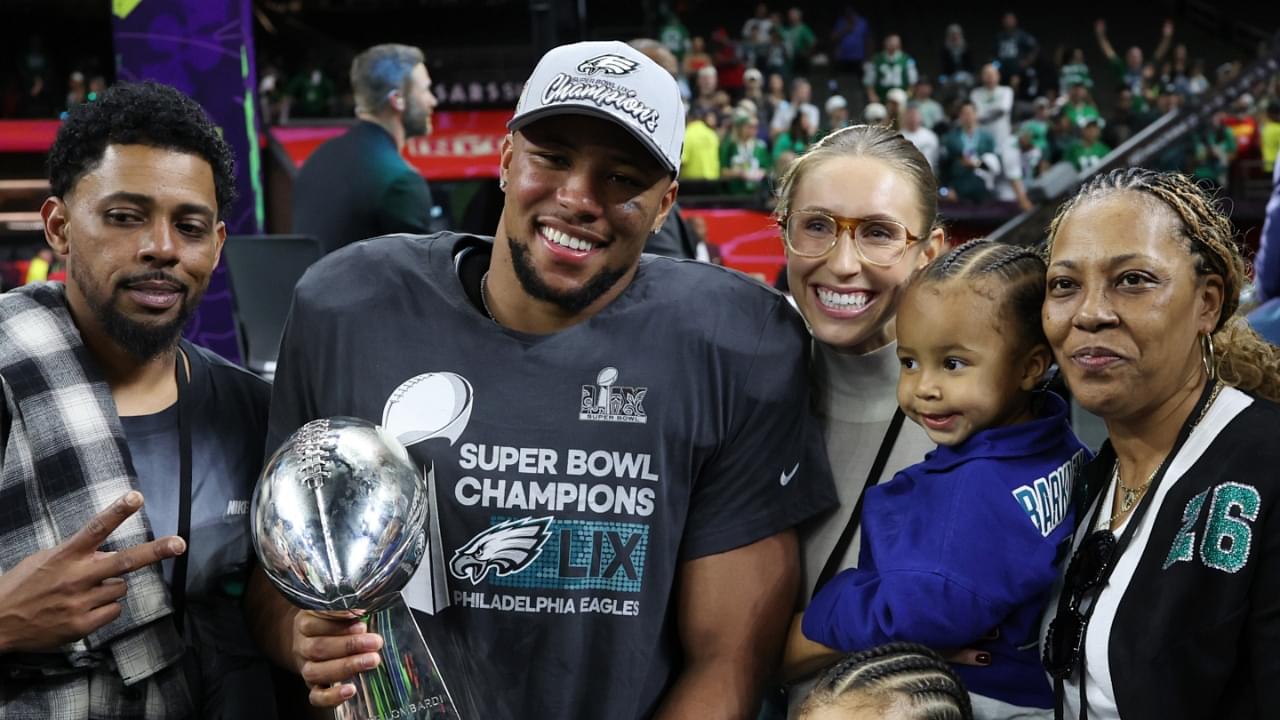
205	49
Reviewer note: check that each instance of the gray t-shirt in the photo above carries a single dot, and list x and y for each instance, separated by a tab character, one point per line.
228	412
229	407
575	472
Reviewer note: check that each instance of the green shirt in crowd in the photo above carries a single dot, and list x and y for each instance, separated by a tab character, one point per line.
1084	156
1074	74
1080	114
751	156
885	73
800	39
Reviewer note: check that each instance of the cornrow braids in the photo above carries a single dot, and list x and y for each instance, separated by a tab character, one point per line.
1245	360
949	261
1017	269
911	674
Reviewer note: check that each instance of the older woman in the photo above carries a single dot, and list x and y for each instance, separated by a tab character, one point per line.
1170	606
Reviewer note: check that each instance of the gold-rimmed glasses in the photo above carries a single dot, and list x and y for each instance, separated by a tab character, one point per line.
812	234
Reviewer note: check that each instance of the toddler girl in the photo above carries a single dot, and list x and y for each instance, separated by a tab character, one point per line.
961	550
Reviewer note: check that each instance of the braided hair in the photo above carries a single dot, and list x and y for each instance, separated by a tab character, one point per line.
1245	360
1019	270
899	675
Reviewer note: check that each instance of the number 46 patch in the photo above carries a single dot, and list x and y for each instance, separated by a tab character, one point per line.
1227	535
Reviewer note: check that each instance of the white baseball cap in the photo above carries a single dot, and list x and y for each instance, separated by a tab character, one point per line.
612	81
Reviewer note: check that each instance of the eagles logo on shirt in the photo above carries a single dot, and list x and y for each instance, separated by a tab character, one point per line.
609	65
505	548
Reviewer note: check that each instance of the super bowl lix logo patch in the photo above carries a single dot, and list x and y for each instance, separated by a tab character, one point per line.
607	401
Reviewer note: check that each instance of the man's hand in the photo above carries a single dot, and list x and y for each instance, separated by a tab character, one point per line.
330	650
324	649
63	593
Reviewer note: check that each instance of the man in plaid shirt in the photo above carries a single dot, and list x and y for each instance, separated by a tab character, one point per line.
103	402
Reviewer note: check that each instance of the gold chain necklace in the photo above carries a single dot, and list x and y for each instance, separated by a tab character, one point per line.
1130	497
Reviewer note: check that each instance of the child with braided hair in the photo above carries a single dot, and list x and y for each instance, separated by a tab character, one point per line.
971	538
895	681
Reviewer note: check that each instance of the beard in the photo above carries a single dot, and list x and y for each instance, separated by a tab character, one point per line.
143	340
574	301
416	120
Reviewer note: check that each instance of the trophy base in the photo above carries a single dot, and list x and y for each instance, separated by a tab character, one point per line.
407	684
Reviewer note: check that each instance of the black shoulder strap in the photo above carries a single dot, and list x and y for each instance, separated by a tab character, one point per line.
178	591
1097	477
873	477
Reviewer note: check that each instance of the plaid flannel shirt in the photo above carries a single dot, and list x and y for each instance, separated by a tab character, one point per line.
65	460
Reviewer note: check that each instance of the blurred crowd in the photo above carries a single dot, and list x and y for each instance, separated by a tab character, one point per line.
991	121
46	87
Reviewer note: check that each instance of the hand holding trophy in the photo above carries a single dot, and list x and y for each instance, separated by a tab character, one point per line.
340	525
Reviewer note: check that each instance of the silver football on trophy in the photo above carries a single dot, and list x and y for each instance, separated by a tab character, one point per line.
339	516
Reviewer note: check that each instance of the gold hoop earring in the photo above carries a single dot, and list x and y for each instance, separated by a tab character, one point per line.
1208	357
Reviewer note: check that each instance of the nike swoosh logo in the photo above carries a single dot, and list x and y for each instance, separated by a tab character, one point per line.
785	477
